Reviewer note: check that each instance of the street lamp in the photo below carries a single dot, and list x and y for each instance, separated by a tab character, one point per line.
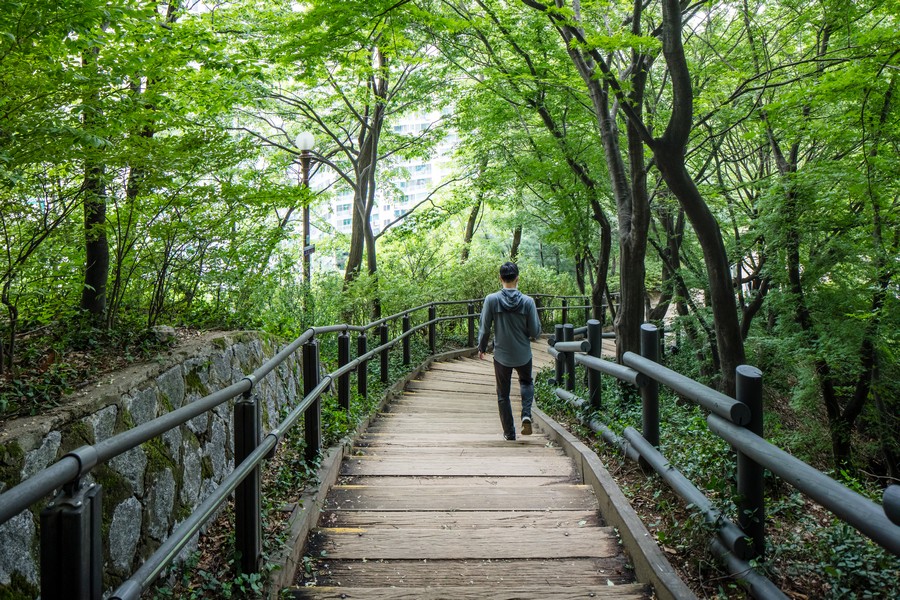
305	142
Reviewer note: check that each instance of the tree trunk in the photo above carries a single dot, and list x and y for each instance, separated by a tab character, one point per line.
600	283
516	241
96	259
669	152
470	230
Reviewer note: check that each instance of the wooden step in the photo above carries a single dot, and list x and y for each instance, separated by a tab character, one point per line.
465	544
469	439
458	465
436	573
476	592
465	520
452	496
492	452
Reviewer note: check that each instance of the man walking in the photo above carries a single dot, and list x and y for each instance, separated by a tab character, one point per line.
515	320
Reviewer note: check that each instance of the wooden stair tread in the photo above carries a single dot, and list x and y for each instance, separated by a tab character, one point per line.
459	465
459	519
455	497
465	544
435	573
476	592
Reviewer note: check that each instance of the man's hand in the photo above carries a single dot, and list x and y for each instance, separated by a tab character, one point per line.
481	355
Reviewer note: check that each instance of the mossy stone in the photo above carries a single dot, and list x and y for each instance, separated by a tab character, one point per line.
11	459
18	589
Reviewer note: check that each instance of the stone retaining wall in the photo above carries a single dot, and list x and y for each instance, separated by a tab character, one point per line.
151	489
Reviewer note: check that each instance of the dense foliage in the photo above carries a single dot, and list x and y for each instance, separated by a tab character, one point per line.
729	168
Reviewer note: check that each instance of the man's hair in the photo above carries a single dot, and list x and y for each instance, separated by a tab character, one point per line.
509	271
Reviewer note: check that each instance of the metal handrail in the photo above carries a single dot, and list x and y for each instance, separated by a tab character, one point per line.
68	472
737	421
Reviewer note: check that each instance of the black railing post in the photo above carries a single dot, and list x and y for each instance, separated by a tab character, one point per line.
362	370
72	544
569	336
406	357
560	364
750	474
565	312
432	328
650	391
537	308
587	309
247	502
471	309
595	338
383	333
312	418
344	380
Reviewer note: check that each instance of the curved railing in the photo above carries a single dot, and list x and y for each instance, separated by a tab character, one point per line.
739	421
71	544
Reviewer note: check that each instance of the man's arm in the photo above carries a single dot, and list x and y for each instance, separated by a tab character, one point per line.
534	321
484	327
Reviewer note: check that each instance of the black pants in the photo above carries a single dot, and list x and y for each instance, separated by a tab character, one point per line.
503	374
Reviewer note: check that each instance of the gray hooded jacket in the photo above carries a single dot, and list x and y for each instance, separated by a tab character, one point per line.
515	321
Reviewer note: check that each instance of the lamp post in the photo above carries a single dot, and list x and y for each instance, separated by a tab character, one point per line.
305	142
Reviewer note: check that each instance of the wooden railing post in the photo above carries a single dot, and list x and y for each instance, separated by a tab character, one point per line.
595	338
559	365
362	370
406	356
565	312
471	313
312	418
650	391
750	474
537	308
383	333
432	328
344	380
247	500
569	336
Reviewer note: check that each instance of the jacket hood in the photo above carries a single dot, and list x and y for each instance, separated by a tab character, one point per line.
511	300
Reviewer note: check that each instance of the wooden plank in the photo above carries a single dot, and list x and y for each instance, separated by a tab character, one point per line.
454	497
474	484
475	592
437	428
453	386
525	466
455	544
463	450
440	407
466	520
469	439
435	574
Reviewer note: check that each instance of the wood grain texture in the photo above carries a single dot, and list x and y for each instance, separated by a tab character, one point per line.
432	502
466	520
475	592
462	544
435	573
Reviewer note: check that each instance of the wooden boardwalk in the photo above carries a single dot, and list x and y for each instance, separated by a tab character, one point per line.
434	503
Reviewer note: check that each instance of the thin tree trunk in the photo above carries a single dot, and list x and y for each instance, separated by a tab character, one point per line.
96	259
470	230
516	241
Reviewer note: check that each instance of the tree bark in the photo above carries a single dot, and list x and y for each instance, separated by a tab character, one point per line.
516	242
96	259
470	230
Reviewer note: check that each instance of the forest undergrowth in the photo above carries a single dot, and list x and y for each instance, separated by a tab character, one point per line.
810	553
